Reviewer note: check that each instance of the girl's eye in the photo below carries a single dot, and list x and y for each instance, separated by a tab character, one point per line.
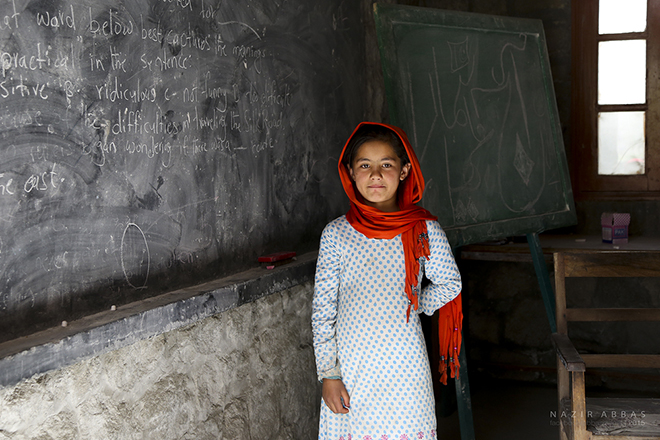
364	165
387	165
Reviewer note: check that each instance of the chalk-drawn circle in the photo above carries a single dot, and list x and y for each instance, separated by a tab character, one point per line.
135	257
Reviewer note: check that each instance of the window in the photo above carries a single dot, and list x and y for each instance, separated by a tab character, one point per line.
615	113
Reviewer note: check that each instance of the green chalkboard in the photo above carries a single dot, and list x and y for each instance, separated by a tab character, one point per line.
474	94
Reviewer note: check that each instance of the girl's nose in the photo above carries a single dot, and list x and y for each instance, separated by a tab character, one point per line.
376	174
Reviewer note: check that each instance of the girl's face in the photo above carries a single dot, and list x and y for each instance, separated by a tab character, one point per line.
377	172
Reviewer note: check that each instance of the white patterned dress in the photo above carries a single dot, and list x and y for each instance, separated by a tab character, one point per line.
361	334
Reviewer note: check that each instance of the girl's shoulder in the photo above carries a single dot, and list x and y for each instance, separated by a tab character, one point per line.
336	234
338	222
433	225
339	226
435	231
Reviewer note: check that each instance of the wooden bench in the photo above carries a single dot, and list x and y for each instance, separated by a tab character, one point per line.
583	418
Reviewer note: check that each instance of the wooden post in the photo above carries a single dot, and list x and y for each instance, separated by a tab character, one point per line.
579	421
563	394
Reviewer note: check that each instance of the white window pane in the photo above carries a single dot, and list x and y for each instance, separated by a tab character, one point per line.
622	72
621	143
621	16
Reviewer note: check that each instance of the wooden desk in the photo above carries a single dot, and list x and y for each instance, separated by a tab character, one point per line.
519	251
539	249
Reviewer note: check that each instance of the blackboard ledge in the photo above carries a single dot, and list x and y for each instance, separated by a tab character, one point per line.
58	347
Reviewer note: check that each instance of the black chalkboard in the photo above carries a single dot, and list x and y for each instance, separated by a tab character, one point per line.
147	145
474	94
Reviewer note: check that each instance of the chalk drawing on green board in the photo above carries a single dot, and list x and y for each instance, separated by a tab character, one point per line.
474	94
483	132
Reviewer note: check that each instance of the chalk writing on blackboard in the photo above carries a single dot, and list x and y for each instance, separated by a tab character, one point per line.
151	143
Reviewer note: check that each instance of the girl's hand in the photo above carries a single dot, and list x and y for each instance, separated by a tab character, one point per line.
333	393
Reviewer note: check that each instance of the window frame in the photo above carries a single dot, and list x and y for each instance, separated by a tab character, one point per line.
587	183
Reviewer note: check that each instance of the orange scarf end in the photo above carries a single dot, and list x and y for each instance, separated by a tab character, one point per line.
413	300
450	327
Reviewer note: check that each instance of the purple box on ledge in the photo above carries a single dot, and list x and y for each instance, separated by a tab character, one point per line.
615	227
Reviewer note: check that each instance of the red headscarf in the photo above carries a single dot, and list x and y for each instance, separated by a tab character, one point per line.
410	222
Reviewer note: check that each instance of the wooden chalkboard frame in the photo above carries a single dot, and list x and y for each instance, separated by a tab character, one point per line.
388	19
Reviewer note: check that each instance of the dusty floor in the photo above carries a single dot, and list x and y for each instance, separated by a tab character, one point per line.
507	410
519	410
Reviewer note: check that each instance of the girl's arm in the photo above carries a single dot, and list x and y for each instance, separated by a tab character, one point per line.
324	318
441	270
324	306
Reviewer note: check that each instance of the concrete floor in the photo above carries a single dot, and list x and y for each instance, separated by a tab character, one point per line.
520	410
507	410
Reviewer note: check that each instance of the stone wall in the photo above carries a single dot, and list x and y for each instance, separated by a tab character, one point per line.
247	373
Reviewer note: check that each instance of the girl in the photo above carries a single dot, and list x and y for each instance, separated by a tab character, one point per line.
370	351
